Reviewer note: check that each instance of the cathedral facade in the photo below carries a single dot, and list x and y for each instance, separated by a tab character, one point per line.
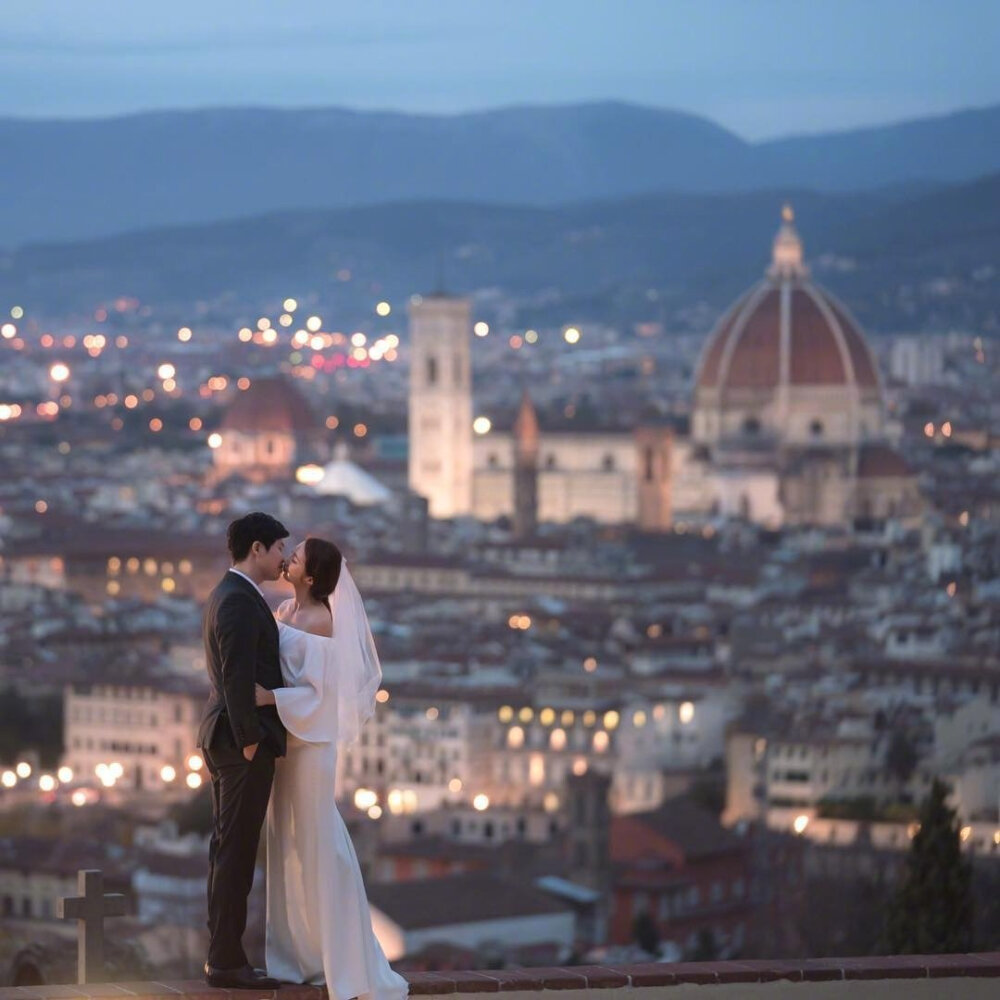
787	426
524	473
788	420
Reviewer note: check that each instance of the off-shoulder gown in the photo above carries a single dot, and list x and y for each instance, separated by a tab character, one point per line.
319	927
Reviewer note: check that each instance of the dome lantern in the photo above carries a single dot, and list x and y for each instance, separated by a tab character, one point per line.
786	256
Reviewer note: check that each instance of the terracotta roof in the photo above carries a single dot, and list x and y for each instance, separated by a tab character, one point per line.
744	350
438	848
271	404
694	830
878	460
459	899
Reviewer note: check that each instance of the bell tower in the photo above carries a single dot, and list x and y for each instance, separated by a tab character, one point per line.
525	470
440	432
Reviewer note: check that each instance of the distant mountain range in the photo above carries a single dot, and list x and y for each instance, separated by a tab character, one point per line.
77	179
917	258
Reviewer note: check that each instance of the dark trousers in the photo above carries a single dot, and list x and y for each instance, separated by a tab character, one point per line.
240	790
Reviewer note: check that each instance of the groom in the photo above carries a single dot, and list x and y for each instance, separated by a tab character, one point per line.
240	741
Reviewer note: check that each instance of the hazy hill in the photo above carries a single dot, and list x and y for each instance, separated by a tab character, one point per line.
72	179
689	248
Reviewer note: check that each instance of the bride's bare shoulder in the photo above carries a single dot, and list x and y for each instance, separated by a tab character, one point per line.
316	620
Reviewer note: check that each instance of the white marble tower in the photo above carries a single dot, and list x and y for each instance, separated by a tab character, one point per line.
441	403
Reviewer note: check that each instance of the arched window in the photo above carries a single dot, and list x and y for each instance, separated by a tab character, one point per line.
608	463
751	425
432	371
550	461
816	428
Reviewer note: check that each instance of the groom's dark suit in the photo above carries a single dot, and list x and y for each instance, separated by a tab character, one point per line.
241	649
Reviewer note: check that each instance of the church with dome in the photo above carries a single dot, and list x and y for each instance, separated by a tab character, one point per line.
788	418
787	426
267	430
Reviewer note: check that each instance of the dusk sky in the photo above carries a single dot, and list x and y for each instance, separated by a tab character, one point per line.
759	67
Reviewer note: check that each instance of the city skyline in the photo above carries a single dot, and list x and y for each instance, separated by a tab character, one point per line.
765	71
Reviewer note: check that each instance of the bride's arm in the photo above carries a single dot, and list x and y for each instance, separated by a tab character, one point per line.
262	696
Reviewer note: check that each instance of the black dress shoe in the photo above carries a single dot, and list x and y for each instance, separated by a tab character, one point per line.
244	978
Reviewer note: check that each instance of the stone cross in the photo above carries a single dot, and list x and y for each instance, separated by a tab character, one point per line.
89	909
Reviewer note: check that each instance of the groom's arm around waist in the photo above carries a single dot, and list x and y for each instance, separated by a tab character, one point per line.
237	632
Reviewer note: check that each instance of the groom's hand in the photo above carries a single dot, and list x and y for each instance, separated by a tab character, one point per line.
249	751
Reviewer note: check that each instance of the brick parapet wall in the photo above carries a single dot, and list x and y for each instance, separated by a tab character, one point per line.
576	978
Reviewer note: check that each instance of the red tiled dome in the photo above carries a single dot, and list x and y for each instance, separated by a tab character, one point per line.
786	330
825	346
271	404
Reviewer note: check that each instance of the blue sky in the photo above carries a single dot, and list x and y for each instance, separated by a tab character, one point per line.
759	67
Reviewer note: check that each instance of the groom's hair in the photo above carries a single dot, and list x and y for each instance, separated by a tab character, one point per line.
250	528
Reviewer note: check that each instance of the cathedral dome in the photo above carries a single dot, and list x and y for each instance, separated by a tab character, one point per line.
271	405
785	348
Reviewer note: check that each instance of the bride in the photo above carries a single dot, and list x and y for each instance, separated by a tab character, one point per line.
319	927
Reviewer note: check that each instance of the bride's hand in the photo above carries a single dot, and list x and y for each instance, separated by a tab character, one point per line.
262	696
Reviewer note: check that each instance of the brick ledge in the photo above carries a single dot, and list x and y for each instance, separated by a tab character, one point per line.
580	977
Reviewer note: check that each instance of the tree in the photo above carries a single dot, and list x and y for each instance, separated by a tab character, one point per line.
645	933
932	911
195	814
706	950
902	756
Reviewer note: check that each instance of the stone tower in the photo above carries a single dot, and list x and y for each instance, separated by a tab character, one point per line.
525	470
655	446
440	466
588	840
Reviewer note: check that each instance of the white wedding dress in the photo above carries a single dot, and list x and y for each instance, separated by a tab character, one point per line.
319	927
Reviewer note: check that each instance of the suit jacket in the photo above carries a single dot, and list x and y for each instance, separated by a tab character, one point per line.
241	649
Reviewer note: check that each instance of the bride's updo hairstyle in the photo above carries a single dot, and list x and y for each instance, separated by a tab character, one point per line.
323	562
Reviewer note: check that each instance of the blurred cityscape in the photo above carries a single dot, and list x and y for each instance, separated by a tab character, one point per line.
676	630
676	516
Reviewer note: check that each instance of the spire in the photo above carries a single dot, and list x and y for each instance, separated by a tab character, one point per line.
526	469
786	256
526	430
439	291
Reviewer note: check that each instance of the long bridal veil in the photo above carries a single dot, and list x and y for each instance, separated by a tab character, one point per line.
332	682
356	666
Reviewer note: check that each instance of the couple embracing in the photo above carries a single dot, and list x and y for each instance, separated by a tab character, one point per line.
285	691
